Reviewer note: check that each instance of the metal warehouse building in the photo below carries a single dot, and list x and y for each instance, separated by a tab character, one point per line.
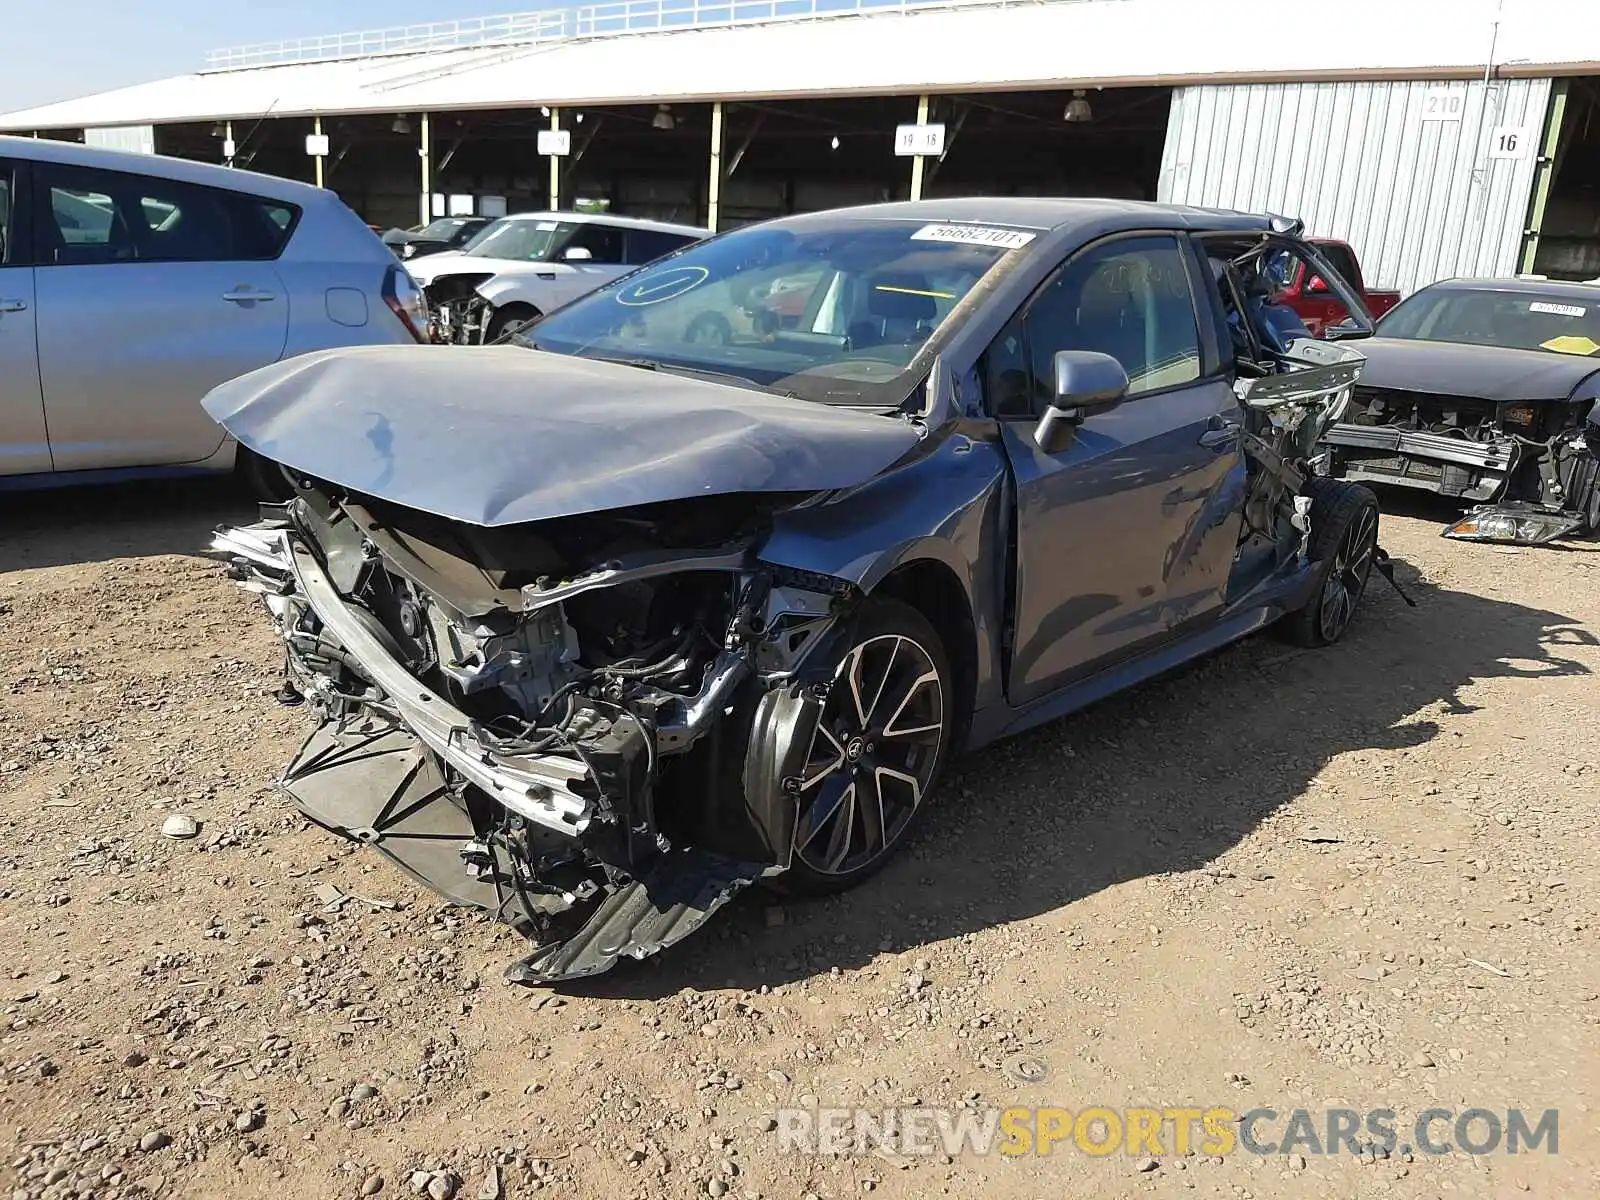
1439	137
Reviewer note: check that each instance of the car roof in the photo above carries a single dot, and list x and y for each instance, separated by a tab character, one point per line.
162	167
1048	212
583	218
1589	290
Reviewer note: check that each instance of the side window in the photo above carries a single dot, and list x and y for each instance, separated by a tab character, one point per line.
9	252
1006	380
78	219
604	242
647	245
1129	298
1342	261
111	216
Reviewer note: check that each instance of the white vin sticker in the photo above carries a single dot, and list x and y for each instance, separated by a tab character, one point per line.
974	235
1557	310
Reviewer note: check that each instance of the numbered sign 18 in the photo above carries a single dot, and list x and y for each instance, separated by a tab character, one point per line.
919	139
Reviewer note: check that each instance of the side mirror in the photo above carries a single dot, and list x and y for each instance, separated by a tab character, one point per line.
1087	383
1317	286
578	254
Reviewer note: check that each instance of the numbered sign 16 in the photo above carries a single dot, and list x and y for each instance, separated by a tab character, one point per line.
1510	141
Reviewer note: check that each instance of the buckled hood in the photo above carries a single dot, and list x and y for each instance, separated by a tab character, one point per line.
1484	372
504	434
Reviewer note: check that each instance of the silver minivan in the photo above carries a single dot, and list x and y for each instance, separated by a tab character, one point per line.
131	285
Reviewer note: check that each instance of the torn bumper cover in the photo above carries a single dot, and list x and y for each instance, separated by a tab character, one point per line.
557	836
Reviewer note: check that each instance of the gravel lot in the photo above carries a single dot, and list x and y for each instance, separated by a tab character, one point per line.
1361	877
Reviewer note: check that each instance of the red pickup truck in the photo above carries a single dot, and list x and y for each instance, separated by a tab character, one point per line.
1309	295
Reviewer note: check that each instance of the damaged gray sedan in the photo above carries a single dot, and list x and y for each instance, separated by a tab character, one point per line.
703	580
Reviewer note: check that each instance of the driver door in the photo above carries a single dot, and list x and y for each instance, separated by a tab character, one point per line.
1126	535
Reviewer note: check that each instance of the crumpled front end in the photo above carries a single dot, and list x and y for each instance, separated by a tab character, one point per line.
549	722
1530	470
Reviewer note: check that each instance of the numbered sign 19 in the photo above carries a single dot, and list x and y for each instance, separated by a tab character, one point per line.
1510	141
912	140
1444	104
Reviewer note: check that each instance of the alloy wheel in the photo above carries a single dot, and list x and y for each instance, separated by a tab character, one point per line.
873	756
1347	574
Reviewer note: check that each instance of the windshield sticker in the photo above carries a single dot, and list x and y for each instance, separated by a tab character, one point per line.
1557	310
662	285
546	226
974	235
1577	344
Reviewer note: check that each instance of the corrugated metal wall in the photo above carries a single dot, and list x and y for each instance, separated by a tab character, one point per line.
1420	200
141	139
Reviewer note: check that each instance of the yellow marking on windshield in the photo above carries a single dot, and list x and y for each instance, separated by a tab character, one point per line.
1571	343
905	291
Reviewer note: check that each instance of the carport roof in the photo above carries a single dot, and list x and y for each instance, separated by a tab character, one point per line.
1049	44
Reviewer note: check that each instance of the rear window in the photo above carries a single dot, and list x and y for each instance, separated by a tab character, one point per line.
647	245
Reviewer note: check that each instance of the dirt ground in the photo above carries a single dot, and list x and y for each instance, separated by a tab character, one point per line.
1362	877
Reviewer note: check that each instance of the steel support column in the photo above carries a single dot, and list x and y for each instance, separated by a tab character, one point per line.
555	164
1544	174
425	154
714	184
917	161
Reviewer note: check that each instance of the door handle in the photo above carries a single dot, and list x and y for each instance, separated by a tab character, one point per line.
13	306
247	296
1220	433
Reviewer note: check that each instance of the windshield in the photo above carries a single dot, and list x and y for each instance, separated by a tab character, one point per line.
1557	323
832	310
442	228
518	239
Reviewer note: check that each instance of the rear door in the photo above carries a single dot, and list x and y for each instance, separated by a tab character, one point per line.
605	262
24	446
150	293
1125	535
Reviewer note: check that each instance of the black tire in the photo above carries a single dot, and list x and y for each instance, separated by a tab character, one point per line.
261	477
509	320
1344	538
894	757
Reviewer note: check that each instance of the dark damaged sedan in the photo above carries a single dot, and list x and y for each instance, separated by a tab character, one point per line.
704	580
1484	390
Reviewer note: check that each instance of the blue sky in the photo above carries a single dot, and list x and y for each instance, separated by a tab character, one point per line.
112	43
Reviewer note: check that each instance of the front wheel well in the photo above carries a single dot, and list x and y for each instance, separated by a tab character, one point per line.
932	588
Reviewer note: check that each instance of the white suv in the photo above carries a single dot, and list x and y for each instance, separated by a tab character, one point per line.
522	266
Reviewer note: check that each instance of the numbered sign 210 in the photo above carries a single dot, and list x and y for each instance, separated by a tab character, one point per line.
919	139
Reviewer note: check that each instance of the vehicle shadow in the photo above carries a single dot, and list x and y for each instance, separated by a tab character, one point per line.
73	526
1164	778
